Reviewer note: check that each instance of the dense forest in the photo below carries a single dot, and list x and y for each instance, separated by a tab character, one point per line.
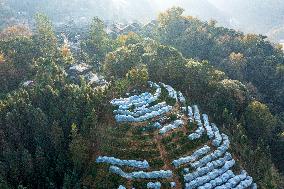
54	122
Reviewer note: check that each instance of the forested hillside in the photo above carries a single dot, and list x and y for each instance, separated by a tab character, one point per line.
57	85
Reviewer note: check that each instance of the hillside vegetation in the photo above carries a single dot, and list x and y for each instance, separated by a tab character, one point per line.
172	138
57	85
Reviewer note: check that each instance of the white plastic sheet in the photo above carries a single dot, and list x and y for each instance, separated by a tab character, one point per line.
210	176
181	97
216	154
204	150
115	161
207	126
141	174
145	117
200	130
176	124
235	181
154	185
210	166
217	136
171	91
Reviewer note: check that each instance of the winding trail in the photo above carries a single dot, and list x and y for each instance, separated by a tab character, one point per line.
168	164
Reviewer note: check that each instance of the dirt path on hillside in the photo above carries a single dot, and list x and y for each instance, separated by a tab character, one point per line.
168	164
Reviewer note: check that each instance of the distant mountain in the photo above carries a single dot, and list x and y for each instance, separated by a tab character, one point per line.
118	10
259	16
276	34
145	10
205	10
254	16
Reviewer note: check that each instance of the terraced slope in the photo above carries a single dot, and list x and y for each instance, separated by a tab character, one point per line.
159	142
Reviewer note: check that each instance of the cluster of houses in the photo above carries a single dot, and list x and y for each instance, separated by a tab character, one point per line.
82	70
77	72
116	29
